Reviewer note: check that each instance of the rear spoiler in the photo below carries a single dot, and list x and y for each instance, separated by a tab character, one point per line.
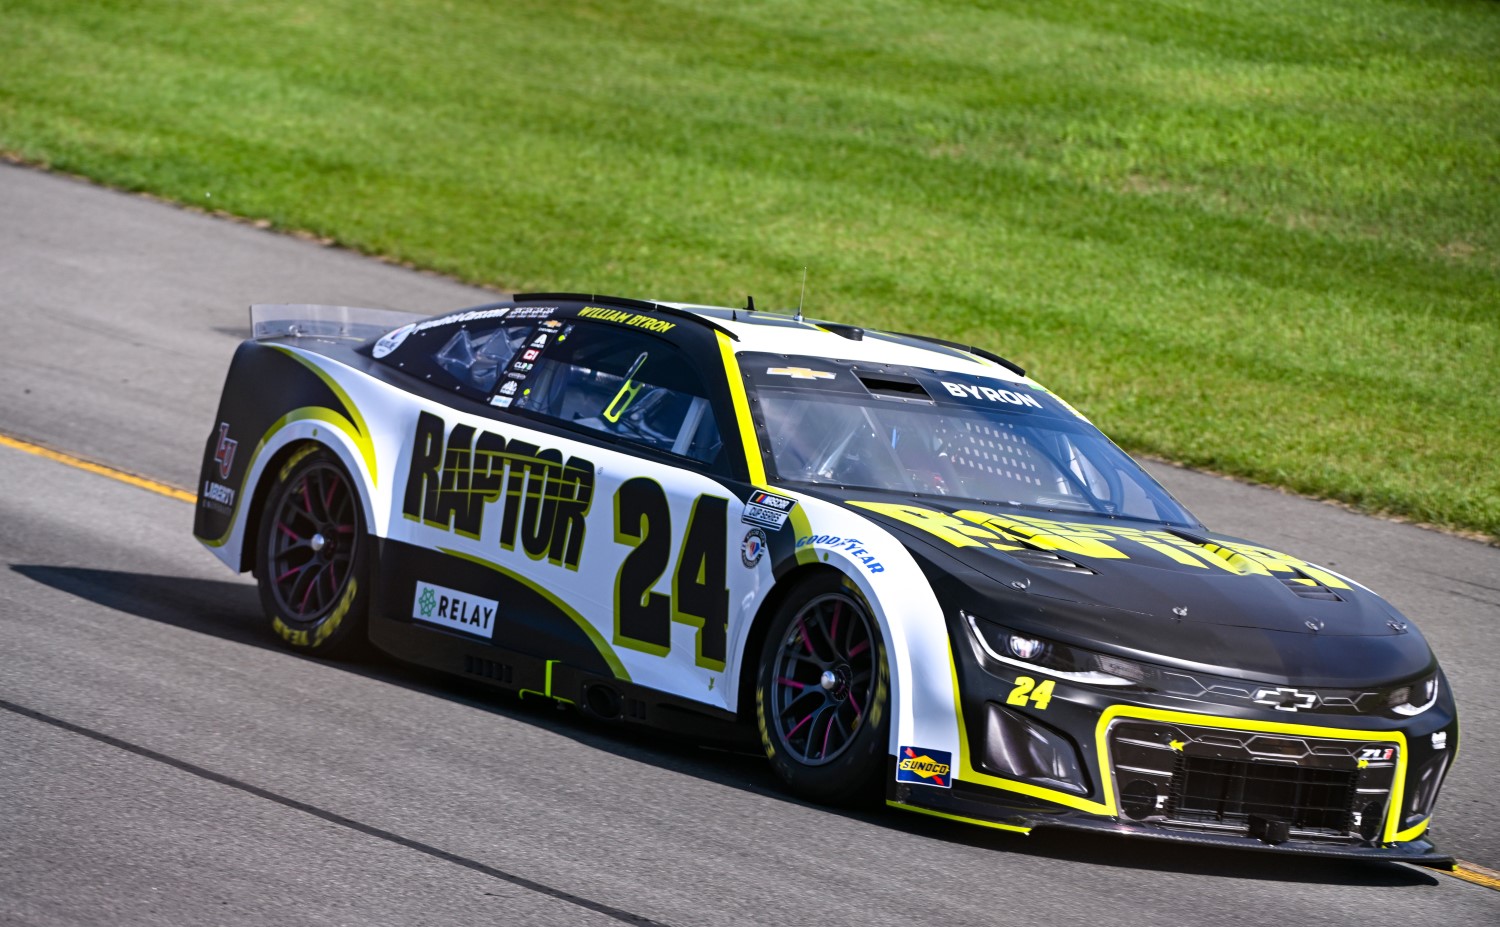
327	323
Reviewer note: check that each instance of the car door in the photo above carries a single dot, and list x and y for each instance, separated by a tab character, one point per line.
659	575
592	521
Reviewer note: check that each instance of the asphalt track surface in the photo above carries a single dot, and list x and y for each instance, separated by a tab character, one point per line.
163	761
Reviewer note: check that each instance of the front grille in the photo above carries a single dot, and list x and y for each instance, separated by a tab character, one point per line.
1222	780
1215	791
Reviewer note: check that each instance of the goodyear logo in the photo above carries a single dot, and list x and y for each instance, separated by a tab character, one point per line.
923	766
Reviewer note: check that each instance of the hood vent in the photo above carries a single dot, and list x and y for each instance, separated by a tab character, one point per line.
1309	588
893	386
1235	560
1047	560
1302	584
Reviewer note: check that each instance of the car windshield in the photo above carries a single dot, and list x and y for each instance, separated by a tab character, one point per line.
932	433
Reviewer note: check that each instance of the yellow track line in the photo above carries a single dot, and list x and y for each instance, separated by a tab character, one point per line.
171	492
1473	872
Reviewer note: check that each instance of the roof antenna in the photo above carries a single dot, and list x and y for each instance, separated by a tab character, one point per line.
749	307
802	294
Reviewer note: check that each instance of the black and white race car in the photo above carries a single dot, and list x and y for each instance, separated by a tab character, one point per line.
907	564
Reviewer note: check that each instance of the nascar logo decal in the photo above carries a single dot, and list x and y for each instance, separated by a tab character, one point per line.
767	510
925	767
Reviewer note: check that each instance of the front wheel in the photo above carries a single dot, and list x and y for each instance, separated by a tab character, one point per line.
822	693
312	555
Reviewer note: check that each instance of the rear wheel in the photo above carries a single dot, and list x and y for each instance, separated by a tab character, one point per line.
822	692
312	556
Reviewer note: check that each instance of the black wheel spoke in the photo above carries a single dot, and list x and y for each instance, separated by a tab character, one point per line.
837	722
302	588
858	707
823	679
807	641
306	494
313	541
811	692
830	630
804	658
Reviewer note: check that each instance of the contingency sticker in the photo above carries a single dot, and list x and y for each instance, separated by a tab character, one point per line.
450	608
767	510
753	548
925	767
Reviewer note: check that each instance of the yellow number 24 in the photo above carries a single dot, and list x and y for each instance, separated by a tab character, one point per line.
1027	688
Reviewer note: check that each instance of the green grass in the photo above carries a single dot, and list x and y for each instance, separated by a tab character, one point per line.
1260	237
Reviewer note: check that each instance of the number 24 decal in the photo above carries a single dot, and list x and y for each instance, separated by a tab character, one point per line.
1028	689
700	591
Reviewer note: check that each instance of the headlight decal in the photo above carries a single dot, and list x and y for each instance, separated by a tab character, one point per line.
1038	655
966	771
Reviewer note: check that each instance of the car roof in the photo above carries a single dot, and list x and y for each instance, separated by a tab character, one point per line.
778	333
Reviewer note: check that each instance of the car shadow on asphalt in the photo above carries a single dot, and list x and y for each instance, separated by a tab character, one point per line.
231	611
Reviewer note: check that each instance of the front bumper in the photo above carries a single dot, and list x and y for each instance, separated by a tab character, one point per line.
977	805
1138	763
1200	779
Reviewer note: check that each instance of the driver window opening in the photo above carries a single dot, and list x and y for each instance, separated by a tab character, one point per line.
628	385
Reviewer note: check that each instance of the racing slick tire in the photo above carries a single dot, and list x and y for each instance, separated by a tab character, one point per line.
312	556
822	693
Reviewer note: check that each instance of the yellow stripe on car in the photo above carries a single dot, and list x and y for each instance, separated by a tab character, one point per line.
753	462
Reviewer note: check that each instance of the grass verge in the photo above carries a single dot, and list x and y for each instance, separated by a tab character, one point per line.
1261	238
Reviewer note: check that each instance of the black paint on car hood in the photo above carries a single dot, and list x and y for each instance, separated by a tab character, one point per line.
1149	591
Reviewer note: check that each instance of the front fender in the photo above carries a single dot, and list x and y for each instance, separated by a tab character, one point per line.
919	658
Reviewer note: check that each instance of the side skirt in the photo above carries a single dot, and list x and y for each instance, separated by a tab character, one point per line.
601	697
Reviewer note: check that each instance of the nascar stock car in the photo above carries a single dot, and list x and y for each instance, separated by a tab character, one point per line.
904	564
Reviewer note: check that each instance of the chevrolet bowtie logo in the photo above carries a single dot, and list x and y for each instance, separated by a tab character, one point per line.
801	373
1285	699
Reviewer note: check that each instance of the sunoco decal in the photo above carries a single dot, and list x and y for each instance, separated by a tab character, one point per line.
454	483
767	510
450	608
925	767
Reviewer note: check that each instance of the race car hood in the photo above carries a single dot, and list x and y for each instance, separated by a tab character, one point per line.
1146	589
